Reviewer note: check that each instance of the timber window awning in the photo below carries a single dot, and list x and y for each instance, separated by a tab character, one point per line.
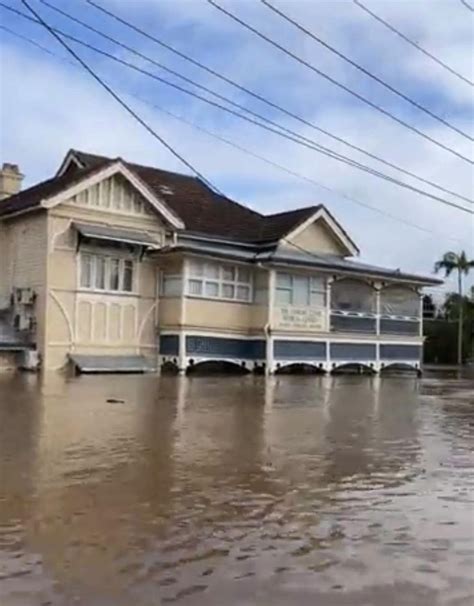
113	234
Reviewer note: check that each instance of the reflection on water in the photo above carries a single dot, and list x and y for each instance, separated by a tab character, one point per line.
212	491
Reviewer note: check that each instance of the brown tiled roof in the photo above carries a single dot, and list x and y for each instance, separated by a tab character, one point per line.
276	226
201	209
206	212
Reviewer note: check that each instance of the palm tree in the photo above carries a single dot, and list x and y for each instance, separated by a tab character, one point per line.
456	262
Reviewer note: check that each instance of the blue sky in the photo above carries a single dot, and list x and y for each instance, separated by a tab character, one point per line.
49	106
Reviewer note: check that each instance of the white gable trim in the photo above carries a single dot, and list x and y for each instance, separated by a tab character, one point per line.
110	170
341	236
70	158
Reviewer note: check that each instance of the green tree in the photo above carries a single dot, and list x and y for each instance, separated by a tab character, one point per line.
449	263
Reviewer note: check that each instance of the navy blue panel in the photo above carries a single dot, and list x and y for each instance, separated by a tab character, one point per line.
169	345
399	327
212	347
353	324
400	352
299	350
353	351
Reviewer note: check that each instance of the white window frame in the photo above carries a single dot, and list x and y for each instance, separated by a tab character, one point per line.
108	258
197	273
311	289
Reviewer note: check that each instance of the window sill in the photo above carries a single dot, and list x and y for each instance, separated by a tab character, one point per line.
218	299
108	293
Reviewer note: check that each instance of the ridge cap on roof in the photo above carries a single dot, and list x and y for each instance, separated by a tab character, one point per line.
135	164
313	208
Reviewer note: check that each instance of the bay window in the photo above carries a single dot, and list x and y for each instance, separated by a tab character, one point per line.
106	273
300	290
219	281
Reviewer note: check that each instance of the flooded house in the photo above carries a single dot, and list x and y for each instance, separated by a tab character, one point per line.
111	266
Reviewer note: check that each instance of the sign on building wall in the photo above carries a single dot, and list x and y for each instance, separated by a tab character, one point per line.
297	318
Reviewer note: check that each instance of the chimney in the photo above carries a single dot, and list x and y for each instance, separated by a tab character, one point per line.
10	180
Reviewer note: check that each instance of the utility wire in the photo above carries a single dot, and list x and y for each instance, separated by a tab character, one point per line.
295	174
296	139
207	89
329	78
365	71
278	130
412	43
117	97
467	5
242	149
259	97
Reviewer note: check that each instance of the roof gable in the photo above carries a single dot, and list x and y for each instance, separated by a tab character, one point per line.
106	171
184	201
320	232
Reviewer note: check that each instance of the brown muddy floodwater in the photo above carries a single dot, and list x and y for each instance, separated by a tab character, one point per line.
296	490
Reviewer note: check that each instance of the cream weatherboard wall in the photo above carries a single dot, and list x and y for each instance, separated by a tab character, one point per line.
316	238
90	322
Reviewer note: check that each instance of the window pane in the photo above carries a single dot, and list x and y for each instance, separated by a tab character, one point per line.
196	268
300	290
100	273
283	280
243	293
283	296
171	286
318	299
228	273
243	274
228	291
114	265
317	284
211	289
195	287
86	271
211	270
127	276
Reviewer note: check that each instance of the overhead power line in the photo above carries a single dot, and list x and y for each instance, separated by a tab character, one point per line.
249	152
213	92
298	139
412	43
467	5
242	149
365	71
117	98
329	78
261	98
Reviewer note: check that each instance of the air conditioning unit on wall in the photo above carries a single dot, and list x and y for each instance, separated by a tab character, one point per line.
25	296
